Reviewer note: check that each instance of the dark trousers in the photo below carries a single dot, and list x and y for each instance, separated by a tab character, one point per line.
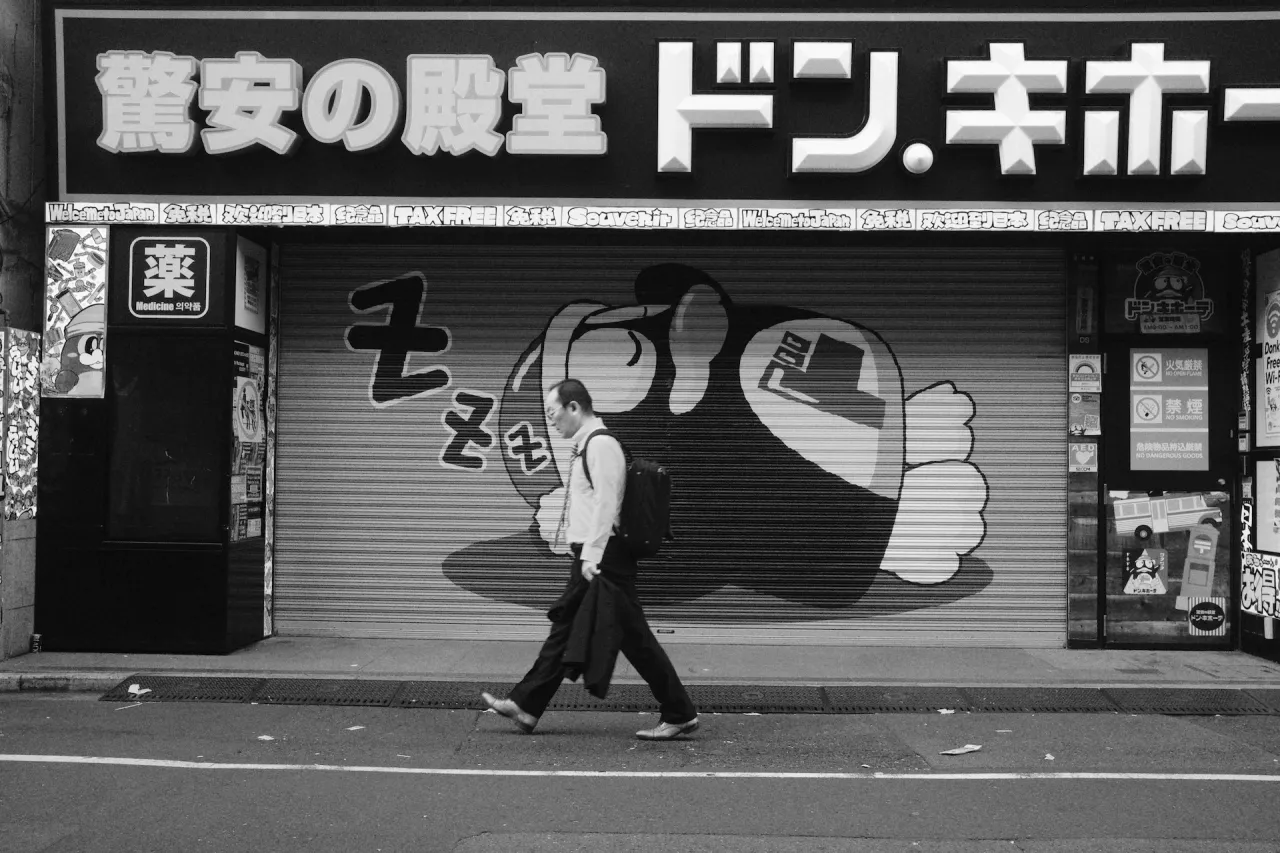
639	645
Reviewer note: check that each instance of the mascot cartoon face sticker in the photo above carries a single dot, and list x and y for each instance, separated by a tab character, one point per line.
799	467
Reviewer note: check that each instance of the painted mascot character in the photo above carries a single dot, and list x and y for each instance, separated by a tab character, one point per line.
799	469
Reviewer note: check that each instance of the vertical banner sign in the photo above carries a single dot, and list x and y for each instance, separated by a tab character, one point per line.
1169	409
249	441
1271	365
75	323
1266	421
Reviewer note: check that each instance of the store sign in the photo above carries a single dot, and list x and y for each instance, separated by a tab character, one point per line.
453	103
785	96
169	277
1207	617
1168	295
1169	410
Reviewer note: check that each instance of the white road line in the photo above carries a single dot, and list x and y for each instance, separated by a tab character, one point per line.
976	776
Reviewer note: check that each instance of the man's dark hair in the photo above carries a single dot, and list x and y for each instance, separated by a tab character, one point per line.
573	391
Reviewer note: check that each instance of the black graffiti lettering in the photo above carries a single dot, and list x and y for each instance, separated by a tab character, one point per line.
399	336
467	423
529	449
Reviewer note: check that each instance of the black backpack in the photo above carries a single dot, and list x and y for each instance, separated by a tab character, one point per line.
645	518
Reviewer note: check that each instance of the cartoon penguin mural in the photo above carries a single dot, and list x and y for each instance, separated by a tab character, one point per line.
796	468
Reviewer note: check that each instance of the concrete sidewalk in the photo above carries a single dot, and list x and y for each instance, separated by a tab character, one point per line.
470	660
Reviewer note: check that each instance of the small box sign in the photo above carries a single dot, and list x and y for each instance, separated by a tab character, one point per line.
169	277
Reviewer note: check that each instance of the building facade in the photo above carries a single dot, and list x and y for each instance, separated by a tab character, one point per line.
951	327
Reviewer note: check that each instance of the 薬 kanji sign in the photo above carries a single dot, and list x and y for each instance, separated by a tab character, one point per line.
169	277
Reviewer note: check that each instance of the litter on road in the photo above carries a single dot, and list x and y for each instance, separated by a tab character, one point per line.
961	750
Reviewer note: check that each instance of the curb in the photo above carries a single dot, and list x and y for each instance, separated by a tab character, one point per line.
60	682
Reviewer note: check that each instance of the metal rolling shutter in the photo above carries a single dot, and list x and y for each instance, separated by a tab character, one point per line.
376	537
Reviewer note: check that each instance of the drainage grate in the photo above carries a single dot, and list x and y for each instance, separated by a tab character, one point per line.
1142	700
877	700
1268	697
326	691
448	694
728	698
741	698
1038	700
622	697
177	688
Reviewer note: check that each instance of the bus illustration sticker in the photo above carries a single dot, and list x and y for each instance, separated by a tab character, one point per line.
1142	516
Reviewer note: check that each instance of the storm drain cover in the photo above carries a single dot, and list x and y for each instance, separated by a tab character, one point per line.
177	688
1038	699
875	700
741	698
1268	697
1145	700
622	697
448	694
326	691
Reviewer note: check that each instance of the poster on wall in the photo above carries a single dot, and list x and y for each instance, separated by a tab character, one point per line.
1267	426
1146	572
75	325
1267	507
1084	414
1259	578
249	441
22	438
1169	409
1084	373
251	285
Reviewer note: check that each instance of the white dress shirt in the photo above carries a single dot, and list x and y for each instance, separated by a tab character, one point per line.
593	512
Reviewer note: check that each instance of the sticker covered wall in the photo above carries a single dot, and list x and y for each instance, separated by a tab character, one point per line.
865	445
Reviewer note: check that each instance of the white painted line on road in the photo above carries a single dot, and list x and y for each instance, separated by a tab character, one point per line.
976	776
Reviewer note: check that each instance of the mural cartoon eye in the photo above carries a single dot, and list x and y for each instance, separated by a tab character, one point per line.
89	345
618	365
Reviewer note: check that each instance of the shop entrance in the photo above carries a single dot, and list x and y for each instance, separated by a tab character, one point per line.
1168	491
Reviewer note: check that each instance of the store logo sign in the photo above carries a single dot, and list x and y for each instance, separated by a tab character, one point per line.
1207	618
453	104
169	277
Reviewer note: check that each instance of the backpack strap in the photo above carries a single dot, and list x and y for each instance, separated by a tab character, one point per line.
587	469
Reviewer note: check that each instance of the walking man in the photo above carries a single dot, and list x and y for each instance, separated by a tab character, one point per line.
592	506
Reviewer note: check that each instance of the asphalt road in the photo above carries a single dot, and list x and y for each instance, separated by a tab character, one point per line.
82	775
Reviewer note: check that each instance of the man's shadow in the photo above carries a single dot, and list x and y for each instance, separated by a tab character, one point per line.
668	592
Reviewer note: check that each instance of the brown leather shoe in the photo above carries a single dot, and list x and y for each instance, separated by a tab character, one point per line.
667	731
510	710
